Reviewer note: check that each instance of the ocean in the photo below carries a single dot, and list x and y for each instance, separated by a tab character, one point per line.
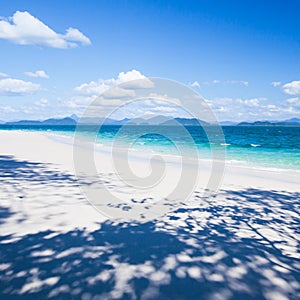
254	146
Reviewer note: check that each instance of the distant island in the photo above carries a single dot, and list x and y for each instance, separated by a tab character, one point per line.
73	120
289	122
63	121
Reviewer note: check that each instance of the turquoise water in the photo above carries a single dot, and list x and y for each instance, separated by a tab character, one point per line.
267	146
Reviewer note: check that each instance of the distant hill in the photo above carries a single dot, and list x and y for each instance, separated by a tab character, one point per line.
186	122
163	120
64	121
293	121
228	123
256	123
74	117
108	121
289	122
157	120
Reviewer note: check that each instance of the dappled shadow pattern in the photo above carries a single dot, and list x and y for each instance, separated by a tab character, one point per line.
240	245
37	196
12	169
5	212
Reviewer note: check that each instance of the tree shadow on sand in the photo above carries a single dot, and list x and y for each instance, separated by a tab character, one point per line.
240	245
14	170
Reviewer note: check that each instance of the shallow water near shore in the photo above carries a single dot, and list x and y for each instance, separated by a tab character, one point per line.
254	146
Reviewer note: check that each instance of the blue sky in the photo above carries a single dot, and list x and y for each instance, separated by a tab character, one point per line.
243	57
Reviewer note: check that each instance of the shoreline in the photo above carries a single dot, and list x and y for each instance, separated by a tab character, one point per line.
42	148
252	162
68	139
62	151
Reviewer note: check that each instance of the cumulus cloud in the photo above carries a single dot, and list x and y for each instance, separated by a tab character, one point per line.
42	103
159	97
148	109
163	109
73	34
118	92
241	82
24	29
11	86
92	88
253	109
294	101
130	75
37	74
96	88
3	74
226	82
195	84
276	83
292	88
7	109
254	102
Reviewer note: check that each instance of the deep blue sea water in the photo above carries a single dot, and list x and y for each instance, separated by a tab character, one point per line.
265	146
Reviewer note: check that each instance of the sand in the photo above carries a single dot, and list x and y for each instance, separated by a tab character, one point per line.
244	241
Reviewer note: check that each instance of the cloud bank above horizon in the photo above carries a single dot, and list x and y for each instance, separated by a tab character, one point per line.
259	108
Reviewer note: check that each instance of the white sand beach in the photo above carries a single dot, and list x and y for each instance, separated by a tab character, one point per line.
242	243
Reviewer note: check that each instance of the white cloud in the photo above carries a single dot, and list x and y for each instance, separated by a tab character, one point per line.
81	102
222	109
225	100
78	102
73	34
276	83
37	74
294	101
241	82
96	88
130	75
252	102
253	109
154	104
24	29
42	103
91	88
8	109
159	97
163	109
149	108
3	74
273	108
195	84
226	82
10	86
292	88
118	92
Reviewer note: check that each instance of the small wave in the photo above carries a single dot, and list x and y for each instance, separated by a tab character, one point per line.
224	144
255	145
